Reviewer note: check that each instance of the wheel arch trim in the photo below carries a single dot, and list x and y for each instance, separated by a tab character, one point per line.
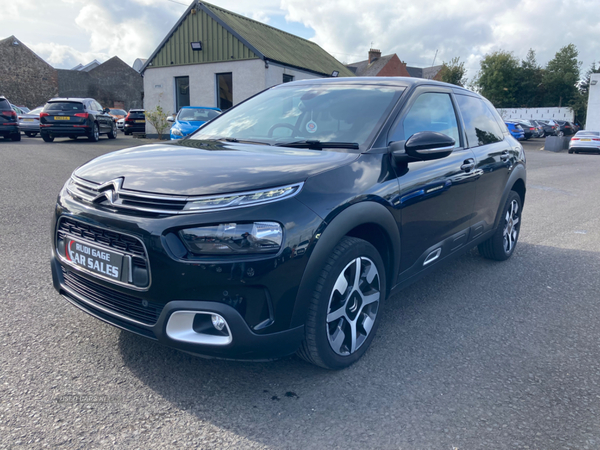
367	212
518	173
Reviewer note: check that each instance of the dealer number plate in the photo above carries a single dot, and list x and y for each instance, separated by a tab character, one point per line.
94	259
586	140
140	121
62	118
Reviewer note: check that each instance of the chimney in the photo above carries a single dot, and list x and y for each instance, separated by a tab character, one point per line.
374	54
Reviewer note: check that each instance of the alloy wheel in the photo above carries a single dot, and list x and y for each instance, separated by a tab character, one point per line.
353	306
511	227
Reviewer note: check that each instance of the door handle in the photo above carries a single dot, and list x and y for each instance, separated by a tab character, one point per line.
504	156
468	165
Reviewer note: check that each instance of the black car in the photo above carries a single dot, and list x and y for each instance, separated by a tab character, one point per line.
9	121
564	128
75	117
284	224
135	122
549	127
528	128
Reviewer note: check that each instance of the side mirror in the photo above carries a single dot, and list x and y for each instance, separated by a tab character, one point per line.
170	119
427	145
106	110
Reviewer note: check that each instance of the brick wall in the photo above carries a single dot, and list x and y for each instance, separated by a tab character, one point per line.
394	68
25	78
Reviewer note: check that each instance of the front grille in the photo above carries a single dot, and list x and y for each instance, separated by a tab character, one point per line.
112	195
117	241
125	305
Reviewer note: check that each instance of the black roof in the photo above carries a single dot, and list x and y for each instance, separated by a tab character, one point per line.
381	81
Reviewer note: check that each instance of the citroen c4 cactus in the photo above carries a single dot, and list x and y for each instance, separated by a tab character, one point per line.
283	225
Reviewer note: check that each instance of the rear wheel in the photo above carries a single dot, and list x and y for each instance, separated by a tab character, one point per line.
95	134
570	151
16	137
113	132
502	244
47	138
344	311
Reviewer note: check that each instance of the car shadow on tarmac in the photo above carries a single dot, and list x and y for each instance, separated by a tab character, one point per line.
474	337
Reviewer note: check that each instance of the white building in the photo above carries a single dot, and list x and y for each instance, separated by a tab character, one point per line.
213	57
544	113
593	110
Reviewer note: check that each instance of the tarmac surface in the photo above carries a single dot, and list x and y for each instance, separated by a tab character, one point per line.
478	355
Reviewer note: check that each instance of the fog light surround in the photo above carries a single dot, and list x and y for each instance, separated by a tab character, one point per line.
198	327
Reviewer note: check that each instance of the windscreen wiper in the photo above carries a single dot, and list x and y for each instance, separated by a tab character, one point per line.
242	141
318	145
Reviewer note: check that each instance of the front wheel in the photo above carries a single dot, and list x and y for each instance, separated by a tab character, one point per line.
344	311
502	244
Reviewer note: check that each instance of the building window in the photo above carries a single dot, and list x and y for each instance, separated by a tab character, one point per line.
182	92
287	78
224	91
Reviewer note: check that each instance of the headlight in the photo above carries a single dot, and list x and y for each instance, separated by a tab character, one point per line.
176	132
242	199
233	238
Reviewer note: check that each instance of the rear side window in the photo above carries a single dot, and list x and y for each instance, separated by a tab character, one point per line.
4	105
480	124
63	106
431	111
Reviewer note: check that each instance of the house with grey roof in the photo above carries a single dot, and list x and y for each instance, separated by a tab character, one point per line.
214	57
390	66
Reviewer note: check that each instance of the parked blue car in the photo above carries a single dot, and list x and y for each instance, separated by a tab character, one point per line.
190	118
516	130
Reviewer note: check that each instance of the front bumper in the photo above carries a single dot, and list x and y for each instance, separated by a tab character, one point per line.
255	295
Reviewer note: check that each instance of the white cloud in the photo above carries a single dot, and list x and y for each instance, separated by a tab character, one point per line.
67	31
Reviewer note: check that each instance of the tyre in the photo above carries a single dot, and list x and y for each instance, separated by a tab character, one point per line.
344	311
502	244
94	136
126	133
47	138
15	137
30	133
570	151
560	133
113	132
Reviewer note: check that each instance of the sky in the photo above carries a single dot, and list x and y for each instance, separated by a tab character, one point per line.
69	32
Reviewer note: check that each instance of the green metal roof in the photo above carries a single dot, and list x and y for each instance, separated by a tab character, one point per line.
227	36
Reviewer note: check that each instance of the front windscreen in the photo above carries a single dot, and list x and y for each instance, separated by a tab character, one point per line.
328	113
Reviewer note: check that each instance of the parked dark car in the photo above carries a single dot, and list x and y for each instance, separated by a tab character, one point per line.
564	128
75	117
135	122
515	130
550	127
29	123
9	122
283	225
528	128
539	129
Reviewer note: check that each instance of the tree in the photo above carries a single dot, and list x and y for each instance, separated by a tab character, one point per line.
529	88
454	72
561	77
497	78
157	117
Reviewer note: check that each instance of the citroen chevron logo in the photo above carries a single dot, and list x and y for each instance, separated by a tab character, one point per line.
109	190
